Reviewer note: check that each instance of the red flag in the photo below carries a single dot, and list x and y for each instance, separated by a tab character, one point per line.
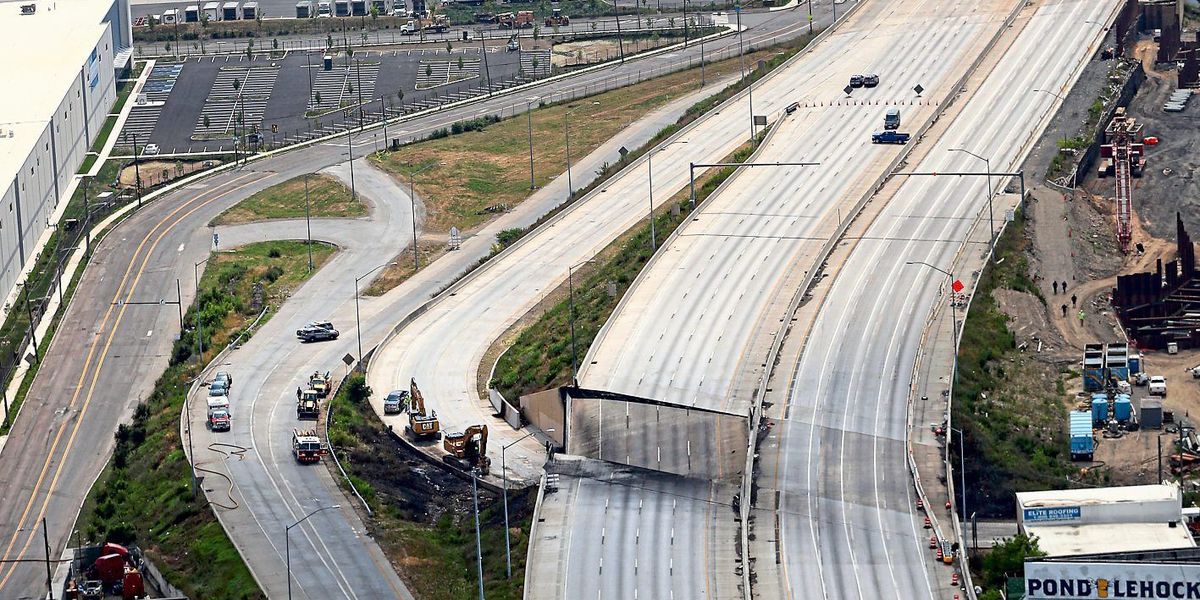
957	286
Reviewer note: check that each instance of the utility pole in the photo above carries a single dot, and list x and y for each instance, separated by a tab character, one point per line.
137	174
308	222
567	134
487	74
478	543
350	151
49	576
529	123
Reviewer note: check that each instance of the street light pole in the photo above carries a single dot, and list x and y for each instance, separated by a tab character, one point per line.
504	480
199	324
567	134
571	317
357	320
650	215
962	479
991	224
287	543
529	127
412	202
478	542
953	309
308	222
350	151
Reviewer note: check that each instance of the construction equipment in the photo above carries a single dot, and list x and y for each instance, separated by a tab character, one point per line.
308	406
557	19
321	384
1124	154
522	19
468	448
306	446
420	424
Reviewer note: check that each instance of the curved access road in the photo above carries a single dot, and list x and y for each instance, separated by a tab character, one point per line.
847	526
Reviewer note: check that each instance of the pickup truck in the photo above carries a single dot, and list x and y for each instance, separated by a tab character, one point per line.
889	137
395	401
218	420
1158	385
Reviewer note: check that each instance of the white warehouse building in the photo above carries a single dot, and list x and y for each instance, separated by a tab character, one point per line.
60	63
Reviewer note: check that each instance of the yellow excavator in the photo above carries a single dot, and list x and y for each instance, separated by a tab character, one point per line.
420	424
468	447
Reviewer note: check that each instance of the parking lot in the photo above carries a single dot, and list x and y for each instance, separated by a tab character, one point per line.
194	106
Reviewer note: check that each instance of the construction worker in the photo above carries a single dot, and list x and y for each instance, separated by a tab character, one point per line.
1081	315
1055	283
1073	299
298	389
1064	309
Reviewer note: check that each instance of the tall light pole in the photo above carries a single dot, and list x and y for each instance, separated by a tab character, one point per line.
308	222
650	180
287	542
350	151
742	57
199	324
953	308
412	202
504	480
529	126
567	134
571	317
991	224
357	321
962	479
478	542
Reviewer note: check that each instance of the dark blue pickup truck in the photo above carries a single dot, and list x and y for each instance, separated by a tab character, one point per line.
889	137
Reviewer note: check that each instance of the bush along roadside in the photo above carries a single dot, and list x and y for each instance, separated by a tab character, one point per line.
540	358
423	516
145	495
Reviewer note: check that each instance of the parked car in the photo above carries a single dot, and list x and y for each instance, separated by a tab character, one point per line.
149	149
513	45
1158	385
870	80
395	401
217	388
223	378
856	81
319	334
314	325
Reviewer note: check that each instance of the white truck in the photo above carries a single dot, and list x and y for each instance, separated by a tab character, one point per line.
1158	385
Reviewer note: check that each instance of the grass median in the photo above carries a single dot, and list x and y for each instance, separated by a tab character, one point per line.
327	197
423	517
144	495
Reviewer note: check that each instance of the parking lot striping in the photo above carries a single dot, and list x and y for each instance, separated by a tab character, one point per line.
31	531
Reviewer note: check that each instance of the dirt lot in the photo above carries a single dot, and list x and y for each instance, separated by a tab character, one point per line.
155	172
1074	241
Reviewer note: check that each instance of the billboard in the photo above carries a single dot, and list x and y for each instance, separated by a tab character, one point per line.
1056	513
1046	580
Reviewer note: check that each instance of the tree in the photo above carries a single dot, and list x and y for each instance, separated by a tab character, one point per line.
1008	559
428	71
317	97
250	50
207	122
460	63
374	13
534	62
275	43
204	20
329	40
237	85
357	390
449	47
400	96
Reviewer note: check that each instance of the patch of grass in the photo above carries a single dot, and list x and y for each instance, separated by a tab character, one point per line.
423	516
144	495
327	196
465	180
540	357
1010	405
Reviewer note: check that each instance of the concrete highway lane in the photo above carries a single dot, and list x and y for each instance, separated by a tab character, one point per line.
848	527
105	357
695	328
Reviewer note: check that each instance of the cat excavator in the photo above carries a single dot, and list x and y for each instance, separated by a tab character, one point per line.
420	424
469	448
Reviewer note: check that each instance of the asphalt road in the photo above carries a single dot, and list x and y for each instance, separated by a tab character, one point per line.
713	298
848	527
80	397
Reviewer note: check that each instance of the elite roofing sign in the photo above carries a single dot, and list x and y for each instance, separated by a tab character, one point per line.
1057	513
1085	581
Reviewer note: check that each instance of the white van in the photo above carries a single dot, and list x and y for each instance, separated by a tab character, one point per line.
218	403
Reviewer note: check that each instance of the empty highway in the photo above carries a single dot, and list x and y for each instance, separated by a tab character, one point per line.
847	524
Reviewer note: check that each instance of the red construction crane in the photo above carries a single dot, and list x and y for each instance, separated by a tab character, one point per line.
1123	154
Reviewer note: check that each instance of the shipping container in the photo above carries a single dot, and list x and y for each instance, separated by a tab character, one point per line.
191	14
250	11
304	9
229	11
1083	446
1151	414
212	11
